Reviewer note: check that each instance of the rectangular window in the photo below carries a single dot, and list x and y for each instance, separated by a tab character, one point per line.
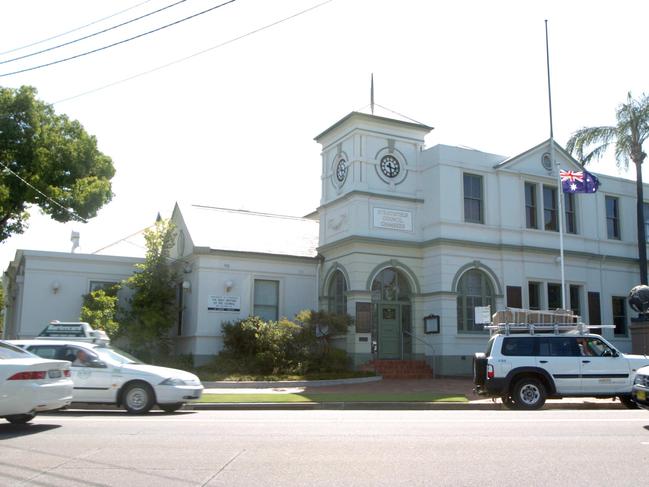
575	296
571	214
514	297
550	221
612	218
619	316
558	347
530	206
518	347
534	295
594	313
554	296
266	302
473	200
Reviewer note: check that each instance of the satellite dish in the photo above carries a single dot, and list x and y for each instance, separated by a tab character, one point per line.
546	161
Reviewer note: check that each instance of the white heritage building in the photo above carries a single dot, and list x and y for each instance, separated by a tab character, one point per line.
407	240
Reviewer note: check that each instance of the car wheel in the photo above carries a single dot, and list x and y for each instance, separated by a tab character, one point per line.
20	418
138	398
171	408
529	393
627	402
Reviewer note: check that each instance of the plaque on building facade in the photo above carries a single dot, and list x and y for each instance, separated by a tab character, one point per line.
393	219
223	303
363	317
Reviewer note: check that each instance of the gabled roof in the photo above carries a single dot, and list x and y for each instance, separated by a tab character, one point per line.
247	231
511	160
374	119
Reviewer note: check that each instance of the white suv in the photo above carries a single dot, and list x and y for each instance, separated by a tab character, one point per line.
524	369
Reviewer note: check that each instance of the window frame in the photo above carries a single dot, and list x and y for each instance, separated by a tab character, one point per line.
470	199
256	306
613	233
531	206
550	224
547	288
465	303
538	295
623	316
337	300
570	211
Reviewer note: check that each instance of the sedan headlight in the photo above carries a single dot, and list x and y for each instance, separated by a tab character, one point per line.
641	379
172	382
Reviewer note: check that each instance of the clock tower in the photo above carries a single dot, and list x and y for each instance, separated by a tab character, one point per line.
371	168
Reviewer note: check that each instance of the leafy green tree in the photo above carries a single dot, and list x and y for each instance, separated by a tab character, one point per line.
99	309
45	157
153	307
627	137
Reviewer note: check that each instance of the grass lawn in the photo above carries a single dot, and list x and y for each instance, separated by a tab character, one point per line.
331	397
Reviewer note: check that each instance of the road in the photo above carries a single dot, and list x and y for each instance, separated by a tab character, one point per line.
327	448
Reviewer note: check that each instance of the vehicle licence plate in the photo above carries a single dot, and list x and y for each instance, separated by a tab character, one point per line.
642	395
54	374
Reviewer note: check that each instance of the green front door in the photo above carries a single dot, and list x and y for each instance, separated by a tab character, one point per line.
389	332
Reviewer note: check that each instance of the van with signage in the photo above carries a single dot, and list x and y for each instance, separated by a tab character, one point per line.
79	331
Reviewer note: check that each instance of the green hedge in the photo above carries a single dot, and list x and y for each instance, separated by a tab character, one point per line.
284	347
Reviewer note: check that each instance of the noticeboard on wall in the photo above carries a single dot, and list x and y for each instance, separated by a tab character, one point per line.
363	317
431	324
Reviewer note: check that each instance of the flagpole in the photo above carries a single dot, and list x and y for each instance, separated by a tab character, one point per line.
372	93
557	164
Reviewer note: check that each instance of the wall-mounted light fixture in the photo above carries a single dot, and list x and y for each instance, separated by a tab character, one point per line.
228	285
56	285
187	285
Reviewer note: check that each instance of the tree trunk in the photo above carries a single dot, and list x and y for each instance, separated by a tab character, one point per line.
642	238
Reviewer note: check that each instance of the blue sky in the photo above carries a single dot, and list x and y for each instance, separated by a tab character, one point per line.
234	126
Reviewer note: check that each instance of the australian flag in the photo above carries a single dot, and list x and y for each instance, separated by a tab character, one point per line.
578	181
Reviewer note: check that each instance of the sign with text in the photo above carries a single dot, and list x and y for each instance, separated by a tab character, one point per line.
393	219
482	315
223	303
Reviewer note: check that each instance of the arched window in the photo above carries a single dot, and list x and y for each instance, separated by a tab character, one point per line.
390	285
473	289
337	293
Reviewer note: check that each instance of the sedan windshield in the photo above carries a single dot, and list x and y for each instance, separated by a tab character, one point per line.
116	355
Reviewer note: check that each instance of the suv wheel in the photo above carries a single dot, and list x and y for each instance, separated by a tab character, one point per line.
529	393
627	402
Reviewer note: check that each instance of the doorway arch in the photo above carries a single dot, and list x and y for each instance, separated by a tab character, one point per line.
392	324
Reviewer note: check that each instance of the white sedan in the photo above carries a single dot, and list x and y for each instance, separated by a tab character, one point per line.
30	384
106	375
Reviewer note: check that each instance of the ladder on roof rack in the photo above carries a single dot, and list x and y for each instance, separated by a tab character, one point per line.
528	321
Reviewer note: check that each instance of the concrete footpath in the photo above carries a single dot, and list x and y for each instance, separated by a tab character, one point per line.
379	386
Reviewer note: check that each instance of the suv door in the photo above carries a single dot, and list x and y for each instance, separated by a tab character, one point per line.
603	369
560	357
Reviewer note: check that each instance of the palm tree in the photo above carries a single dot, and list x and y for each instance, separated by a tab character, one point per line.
627	136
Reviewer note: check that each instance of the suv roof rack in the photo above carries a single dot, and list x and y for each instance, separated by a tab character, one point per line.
511	320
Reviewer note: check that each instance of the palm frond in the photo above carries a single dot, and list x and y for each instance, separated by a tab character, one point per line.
585	138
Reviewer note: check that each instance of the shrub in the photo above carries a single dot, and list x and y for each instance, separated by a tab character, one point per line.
283	347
